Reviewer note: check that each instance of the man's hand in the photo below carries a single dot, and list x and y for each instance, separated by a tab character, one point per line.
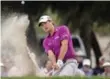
60	63
55	66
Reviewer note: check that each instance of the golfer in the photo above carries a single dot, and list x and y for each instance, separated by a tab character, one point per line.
58	46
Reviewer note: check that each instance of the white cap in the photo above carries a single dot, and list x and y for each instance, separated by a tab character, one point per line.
44	18
1	64
106	64
80	53
86	62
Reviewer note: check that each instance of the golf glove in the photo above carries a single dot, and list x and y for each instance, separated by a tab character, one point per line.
59	63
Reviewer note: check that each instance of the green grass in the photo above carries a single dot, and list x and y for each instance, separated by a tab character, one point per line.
65	77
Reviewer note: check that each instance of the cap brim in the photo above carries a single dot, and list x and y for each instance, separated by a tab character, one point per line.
39	24
106	65
1	64
41	21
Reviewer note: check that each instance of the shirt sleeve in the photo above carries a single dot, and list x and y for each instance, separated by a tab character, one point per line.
64	33
46	46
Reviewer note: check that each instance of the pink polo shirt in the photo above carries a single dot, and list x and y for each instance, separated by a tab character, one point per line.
54	42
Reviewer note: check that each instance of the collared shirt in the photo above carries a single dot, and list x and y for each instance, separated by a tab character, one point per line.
54	42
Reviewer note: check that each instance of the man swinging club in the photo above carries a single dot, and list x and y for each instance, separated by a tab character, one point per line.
58	46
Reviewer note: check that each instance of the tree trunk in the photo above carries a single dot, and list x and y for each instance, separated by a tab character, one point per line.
85	32
95	47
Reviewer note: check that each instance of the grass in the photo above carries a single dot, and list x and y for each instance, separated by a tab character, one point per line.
65	77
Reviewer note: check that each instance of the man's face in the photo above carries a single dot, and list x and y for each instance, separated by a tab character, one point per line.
86	68
101	62
46	26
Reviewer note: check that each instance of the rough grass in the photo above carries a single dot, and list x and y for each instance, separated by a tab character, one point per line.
65	77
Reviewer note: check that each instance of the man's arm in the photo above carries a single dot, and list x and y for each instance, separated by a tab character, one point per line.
51	56
63	49
50	53
48	50
64	37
